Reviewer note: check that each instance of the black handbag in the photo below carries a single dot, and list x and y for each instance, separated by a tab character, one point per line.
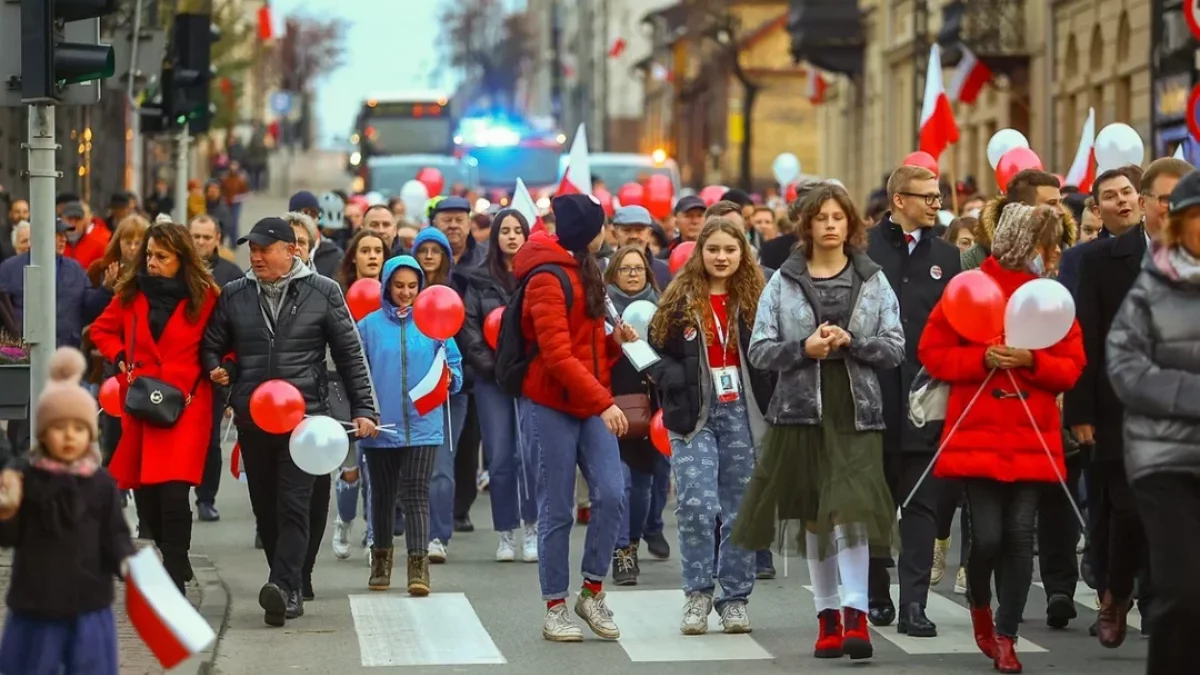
151	400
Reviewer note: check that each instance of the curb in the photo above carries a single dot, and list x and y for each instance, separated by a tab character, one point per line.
214	607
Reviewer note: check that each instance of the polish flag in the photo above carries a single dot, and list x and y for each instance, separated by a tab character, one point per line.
1083	169
938	128
163	617
578	177
266	26
969	78
434	389
617	48
815	87
523	202
236	466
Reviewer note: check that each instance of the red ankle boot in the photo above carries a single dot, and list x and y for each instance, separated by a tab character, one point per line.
985	630
856	640
829	637
1006	660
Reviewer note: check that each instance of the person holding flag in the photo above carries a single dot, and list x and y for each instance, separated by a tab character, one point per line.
414	377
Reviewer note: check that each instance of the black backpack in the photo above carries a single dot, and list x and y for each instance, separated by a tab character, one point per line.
512	355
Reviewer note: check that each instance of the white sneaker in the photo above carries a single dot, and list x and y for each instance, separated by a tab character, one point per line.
507	550
940	548
482	481
695	614
529	543
960	581
734	618
341	539
559	627
437	552
596	614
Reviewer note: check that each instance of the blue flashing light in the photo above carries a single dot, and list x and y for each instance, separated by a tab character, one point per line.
486	132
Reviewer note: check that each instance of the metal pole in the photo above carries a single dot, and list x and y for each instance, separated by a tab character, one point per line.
181	177
135	122
41	320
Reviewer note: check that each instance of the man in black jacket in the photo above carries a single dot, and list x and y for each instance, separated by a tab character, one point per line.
918	265
277	322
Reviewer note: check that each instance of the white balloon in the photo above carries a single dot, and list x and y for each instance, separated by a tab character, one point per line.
319	445
638	315
415	196
374	198
786	168
1003	141
1118	145
1039	314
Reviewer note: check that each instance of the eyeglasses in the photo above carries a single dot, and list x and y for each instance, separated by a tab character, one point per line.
930	199
1164	201
631	271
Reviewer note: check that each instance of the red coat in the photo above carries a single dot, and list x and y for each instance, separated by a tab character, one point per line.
91	245
996	439
149	455
570	372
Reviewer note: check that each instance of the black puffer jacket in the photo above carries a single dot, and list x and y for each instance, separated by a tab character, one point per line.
313	315
483	294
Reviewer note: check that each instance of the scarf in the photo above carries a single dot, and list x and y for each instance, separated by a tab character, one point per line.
272	291
1186	265
84	466
621	299
163	294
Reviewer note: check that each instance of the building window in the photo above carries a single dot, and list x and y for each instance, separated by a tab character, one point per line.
1098	104
1124	93
1071	65
1123	39
1097	48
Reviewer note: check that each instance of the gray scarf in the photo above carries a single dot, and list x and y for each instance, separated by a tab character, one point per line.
621	299
272	292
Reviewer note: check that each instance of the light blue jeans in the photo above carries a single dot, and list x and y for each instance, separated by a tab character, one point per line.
441	486
347	493
511	475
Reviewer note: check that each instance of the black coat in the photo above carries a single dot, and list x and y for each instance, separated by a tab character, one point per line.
327	258
313	316
224	271
483	295
1107	270
918	280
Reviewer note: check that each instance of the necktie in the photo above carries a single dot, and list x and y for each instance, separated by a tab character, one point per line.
909	239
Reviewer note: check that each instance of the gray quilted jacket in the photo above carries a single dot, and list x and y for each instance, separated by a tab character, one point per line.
787	315
1154	367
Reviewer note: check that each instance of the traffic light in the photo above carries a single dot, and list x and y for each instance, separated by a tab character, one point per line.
48	61
187	78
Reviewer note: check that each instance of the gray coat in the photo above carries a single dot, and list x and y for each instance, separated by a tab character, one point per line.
1154	367
788	315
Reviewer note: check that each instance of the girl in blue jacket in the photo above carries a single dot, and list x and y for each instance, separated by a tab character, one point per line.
400	460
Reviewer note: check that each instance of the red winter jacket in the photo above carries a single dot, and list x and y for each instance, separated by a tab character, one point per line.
570	372
996	440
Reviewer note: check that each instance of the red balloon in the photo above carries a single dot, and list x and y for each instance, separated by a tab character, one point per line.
923	160
792	193
632	194
659	436
491	326
680	255
438	312
1014	162
659	194
974	306
277	407
110	397
606	200
712	194
363	297
432	179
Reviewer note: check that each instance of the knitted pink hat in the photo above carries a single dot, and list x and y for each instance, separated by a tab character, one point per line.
63	398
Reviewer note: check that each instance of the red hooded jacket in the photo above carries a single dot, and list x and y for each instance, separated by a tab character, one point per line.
570	372
996	439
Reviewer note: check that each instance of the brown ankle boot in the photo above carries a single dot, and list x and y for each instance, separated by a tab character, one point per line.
381	569
1110	623
418	575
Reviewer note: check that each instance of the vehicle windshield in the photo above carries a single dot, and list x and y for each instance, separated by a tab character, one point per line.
500	167
409	136
389	178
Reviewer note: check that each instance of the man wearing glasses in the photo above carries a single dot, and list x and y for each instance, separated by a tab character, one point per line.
631	227
918	265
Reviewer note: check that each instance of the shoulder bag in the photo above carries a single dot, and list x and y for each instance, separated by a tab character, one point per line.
637	413
151	400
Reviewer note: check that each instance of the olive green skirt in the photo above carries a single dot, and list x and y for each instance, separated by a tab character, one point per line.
824	479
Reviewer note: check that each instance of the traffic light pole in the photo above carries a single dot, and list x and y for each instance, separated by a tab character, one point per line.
181	177
41	321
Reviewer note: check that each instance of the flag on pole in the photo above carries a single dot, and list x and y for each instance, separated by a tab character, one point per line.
969	78
1083	168
266	27
815	87
434	389
578	177
168	624
938	128
523	202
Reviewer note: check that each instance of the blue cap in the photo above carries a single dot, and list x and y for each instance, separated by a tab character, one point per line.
452	203
303	200
634	216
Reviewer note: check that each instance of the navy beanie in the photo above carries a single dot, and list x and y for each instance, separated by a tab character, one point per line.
578	220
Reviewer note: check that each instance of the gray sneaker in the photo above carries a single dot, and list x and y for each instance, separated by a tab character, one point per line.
695	614
558	626
596	614
734	618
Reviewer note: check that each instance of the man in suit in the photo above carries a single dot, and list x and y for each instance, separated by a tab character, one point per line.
918	265
1107	269
1118	213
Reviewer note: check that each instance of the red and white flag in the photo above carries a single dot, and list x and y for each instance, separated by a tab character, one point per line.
236	466
969	78
266	24
578	177
523	202
815	87
165	619
434	389
1083	169
938	128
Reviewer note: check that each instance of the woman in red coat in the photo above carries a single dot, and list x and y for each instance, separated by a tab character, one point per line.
997	451
153	328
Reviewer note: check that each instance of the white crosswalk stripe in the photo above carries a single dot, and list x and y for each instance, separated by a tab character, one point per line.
1085	596
650	631
439	630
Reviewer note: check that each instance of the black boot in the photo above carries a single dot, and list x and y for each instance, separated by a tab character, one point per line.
274	602
914	623
295	605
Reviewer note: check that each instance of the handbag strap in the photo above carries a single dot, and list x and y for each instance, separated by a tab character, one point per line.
129	365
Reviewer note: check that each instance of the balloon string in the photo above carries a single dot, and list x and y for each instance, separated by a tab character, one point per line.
523	479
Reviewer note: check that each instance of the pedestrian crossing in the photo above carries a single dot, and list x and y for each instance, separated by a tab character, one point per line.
1086	597
439	630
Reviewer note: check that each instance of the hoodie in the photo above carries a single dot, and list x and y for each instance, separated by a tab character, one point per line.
399	355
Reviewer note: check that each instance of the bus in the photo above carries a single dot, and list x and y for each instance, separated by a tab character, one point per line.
499	151
419	122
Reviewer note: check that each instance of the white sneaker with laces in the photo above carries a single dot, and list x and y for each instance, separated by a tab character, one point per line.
529	543
695	614
960	581
507	550
437	552
559	627
596	614
341	539
734	618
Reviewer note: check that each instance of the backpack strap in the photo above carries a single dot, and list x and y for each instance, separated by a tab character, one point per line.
558	271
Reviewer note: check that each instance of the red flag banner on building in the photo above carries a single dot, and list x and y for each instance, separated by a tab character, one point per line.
1083	168
938	128
970	76
578	177
168	624
434	389
815	87
266	28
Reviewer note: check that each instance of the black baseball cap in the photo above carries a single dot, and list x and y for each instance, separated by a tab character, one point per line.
689	203
268	231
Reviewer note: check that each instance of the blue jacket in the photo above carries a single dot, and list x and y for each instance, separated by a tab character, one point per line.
399	355
74	293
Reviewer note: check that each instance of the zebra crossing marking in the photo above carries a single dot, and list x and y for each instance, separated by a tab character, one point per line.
649	623
439	630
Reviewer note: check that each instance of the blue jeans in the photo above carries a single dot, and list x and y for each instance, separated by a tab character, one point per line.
711	475
660	493
638	486
441	486
347	494
510	473
561	442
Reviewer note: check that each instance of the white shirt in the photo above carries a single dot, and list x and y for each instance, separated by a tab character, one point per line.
916	239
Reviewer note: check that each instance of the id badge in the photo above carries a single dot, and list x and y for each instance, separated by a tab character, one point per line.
725	381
